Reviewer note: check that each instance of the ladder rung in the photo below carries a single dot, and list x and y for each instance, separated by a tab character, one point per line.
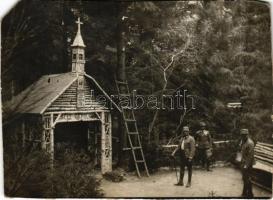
137	148
140	161
121	82
127	108
133	133
126	148
124	95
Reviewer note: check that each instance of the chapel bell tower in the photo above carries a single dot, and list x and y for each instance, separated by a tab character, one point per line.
78	64
78	57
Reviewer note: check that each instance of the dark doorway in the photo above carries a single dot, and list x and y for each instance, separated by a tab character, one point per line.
77	137
72	135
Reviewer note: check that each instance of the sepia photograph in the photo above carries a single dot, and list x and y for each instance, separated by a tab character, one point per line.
137	99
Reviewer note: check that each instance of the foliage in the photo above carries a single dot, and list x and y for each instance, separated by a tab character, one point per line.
29	173
73	177
217	66
28	30
113	176
26	173
213	49
153	156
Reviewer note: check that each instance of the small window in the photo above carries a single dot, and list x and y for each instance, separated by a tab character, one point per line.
81	56
74	56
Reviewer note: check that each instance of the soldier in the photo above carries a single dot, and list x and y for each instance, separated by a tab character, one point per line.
204	145
186	149
247	151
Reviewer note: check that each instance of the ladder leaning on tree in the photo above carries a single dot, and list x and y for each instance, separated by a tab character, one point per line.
131	129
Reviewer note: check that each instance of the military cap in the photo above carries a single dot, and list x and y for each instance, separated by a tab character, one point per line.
186	128
244	131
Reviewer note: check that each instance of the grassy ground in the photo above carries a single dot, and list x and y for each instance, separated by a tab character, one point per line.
222	182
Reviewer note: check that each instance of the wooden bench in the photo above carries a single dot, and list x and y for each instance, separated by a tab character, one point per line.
263	167
263	154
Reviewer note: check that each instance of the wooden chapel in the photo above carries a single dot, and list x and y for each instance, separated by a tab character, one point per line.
64	99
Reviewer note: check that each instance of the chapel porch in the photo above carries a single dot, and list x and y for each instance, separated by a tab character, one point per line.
89	130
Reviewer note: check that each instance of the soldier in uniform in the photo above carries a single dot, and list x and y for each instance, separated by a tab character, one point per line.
247	151
186	149
204	145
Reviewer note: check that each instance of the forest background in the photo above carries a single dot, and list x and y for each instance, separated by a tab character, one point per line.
220	51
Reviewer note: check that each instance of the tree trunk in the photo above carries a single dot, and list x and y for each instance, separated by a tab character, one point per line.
152	125
120	73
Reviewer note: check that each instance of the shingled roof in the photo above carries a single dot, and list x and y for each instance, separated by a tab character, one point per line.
42	94
67	101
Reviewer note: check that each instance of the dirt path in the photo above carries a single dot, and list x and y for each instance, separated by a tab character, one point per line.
222	182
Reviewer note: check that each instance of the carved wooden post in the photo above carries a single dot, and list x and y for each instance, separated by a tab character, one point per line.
109	139
96	161
106	143
46	139
103	158
43	143
51	148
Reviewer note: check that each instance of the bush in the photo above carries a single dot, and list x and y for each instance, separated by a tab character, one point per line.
29	174
113	176
151	157
74	177
25	174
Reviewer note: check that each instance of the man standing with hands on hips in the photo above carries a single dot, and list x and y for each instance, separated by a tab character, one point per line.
247	151
186	149
204	145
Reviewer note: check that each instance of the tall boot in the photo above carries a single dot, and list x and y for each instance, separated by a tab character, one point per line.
249	189
244	194
208	166
189	178
181	178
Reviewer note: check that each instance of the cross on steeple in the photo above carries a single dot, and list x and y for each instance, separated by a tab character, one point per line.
79	23
78	57
78	41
